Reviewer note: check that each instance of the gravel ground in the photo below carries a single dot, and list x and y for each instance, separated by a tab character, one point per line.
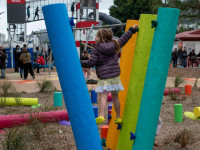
56	137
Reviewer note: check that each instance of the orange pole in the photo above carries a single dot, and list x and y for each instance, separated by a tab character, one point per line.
188	89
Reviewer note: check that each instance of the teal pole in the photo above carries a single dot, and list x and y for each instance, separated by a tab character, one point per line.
156	76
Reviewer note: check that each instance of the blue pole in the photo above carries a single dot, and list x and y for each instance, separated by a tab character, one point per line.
71	78
156	77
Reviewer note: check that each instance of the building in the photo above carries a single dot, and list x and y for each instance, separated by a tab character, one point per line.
2	37
189	39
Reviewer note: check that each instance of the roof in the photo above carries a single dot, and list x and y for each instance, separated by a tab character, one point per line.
193	35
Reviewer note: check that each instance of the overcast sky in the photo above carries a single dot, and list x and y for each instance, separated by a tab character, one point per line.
104	5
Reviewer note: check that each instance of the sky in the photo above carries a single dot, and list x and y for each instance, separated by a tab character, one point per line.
35	26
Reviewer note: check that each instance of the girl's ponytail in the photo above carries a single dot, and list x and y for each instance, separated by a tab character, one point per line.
117	45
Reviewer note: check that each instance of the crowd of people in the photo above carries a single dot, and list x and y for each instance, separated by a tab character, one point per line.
181	56
23	63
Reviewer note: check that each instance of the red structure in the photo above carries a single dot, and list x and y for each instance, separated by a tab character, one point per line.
193	35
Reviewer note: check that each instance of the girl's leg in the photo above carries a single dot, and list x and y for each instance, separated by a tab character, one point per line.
102	105
84	72
88	73
116	102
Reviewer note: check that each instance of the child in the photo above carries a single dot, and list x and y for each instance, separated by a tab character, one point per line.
40	61
3	63
85	70
105	57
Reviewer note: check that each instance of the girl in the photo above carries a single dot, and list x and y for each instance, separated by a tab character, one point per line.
105	57
85	70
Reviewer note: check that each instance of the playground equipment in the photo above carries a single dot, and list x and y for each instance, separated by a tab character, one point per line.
57	99
178	111
95	109
154	81
76	95
171	90
109	97
156	77
18	101
137	79
93	96
190	115
188	89
7	121
196	112
104	131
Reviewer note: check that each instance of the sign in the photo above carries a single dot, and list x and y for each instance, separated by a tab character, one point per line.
16	1
16	11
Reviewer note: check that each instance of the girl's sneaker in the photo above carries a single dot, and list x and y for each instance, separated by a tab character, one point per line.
118	121
100	120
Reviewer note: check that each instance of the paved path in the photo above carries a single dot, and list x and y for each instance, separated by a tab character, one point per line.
30	85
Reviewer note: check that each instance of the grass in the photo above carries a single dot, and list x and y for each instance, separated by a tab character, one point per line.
178	80
14	140
174	96
6	88
195	84
46	86
183	138
35	125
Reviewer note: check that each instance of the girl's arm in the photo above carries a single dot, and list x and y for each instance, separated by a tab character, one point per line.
125	37
92	61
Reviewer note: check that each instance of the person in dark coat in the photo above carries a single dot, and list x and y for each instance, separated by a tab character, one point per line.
105	57
3	63
25	58
192	58
175	57
198	55
184	57
21	66
179	54
17	53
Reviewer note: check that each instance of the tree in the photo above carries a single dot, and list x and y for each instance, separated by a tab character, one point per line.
131	9
190	9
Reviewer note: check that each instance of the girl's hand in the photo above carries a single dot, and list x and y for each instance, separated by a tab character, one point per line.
135	27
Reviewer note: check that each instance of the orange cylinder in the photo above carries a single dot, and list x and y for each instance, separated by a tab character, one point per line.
188	89
104	131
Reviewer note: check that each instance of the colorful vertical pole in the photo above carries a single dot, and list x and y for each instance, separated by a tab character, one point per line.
125	65
71	78
136	83
156	77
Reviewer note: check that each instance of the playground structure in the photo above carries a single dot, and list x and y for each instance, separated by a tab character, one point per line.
151	90
87	20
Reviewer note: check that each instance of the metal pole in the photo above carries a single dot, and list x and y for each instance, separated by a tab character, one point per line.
50	57
88	36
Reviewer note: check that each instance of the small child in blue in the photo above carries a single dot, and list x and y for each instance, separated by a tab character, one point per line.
105	57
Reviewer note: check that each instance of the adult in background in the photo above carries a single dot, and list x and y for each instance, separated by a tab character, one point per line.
25	58
3	63
184	57
17	53
175	57
21	66
179	54
192	57
198	55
